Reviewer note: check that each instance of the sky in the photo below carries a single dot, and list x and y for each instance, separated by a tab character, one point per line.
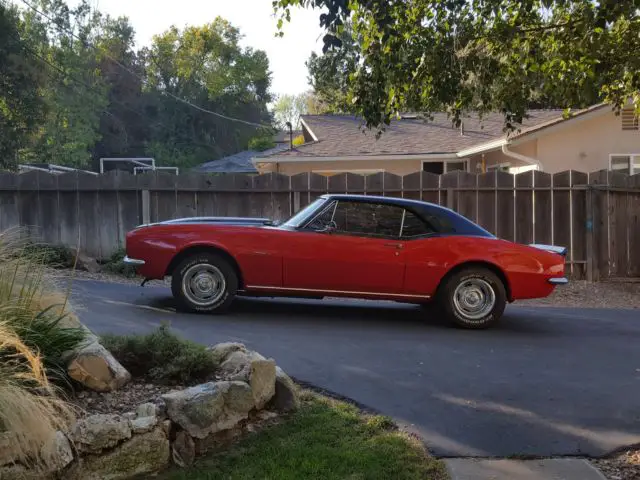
254	18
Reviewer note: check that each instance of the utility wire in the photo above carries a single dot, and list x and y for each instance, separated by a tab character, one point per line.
143	80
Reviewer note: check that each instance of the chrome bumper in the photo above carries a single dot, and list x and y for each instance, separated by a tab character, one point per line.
133	261
559	281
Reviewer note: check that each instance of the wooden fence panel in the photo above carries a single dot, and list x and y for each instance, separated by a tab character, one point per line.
600	205
524	207
633	215
487	202
505	206
449	183
468	195
411	186
578	257
562	212
618	224
542	204
430	187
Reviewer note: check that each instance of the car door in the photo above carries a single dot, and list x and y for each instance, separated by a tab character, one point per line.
349	247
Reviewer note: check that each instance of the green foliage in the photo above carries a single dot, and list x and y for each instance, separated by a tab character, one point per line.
288	108
80	90
56	256
162	357
21	107
323	440
489	55
115	264
260	144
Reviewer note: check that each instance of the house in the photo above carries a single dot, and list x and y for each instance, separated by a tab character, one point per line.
592	139
241	162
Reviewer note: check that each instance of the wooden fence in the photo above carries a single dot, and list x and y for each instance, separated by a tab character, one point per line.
596	215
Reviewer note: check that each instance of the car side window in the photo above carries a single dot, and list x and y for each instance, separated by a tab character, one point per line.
368	219
413	226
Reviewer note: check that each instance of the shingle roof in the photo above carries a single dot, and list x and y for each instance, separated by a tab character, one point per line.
340	135
239	162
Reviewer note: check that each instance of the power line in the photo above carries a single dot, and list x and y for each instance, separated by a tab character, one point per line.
143	80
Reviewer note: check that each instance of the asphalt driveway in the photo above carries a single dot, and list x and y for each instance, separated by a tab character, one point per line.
547	382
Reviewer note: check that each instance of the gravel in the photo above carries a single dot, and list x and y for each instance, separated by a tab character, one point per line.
609	294
625	466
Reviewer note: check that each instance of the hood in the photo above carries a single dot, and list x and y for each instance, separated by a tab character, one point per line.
213	220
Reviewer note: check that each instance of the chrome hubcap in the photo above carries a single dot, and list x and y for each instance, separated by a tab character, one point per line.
203	284
474	298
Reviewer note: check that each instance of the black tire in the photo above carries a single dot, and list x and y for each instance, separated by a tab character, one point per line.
480	284
209	266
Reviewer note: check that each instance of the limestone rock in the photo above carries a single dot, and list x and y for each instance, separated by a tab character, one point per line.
95	368
286	393
130	415
238	364
143	424
142	455
96	432
210	407
86	263
62	451
263	381
146	410
183	449
221	351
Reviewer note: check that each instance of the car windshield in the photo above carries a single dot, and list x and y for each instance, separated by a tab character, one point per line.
303	214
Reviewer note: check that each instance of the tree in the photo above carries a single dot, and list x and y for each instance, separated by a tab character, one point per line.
329	73
484	55
289	108
21	107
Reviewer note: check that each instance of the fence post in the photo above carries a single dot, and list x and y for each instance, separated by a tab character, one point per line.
146	207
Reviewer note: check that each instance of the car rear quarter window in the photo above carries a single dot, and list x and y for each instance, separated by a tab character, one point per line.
413	226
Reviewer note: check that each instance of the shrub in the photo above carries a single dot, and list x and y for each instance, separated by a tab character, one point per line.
116	265
162	357
260	144
299	140
56	256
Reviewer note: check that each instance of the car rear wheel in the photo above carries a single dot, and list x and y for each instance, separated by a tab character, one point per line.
473	298
204	282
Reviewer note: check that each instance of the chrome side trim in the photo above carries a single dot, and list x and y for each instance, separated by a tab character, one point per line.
347	292
133	261
559	281
550	248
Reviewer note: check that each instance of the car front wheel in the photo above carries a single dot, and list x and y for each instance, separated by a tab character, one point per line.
204	282
473	298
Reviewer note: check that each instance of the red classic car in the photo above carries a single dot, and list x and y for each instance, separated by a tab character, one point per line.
348	246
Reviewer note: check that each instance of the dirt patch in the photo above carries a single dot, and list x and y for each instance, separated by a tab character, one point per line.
120	401
611	294
625	466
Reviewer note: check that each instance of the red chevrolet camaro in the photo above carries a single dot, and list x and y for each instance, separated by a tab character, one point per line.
348	246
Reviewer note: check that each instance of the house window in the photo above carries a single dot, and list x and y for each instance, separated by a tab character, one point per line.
502	167
444	167
630	121
626	163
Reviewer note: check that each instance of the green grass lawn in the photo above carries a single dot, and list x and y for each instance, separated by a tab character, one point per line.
324	440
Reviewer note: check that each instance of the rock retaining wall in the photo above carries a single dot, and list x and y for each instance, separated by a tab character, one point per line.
175	427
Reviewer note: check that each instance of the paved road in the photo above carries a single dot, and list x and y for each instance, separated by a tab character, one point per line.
548	381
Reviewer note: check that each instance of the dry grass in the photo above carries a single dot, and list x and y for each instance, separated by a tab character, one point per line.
31	341
29	407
